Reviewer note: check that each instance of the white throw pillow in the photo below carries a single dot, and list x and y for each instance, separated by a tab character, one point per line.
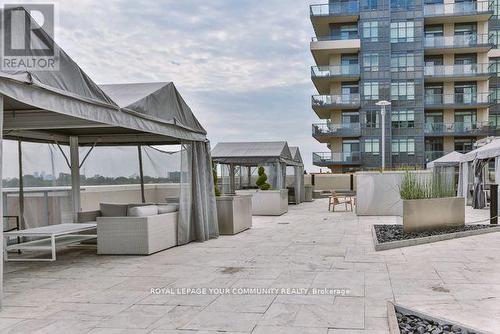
167	208
142	211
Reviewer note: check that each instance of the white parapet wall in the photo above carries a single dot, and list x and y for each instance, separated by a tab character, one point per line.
378	193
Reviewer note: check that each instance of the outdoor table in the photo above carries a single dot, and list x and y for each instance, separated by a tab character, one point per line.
50	237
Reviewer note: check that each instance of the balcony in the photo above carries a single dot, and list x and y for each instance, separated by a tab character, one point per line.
457	44
326	159
322	76
475	11
472	72
324	132
457	101
467	129
323	47
323	15
324	104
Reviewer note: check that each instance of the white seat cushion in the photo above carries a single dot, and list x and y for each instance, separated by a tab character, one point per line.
142	211
167	208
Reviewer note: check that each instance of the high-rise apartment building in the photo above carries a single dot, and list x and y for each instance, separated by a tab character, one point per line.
435	61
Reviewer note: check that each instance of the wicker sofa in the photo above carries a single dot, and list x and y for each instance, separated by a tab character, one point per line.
134	229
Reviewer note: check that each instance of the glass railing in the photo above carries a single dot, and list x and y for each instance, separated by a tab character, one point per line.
457	70
330	129
342	37
458	128
332	100
329	158
334	70
337	8
457	41
459	98
461	8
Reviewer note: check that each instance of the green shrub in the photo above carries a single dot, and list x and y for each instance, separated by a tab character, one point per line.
262	180
438	186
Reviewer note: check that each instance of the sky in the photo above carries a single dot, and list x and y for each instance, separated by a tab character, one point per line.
243	66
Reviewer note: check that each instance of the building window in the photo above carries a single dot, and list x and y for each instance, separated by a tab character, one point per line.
372	146
403	118
402	32
369	4
494	37
402	62
372	119
494	121
403	145
370	62
402	4
370	31
370	91
403	90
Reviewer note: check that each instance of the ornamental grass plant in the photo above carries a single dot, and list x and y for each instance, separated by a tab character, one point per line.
437	186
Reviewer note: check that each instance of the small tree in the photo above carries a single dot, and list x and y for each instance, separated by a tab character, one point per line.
262	180
216	179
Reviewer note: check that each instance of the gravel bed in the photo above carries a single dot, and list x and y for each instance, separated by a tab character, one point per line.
388	233
409	324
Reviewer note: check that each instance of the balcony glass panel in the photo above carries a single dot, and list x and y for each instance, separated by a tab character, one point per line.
326	100
458	8
335	8
335	70
328	158
461	98
457	128
343	129
456	70
467	40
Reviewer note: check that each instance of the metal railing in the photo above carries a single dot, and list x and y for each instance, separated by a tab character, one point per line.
330	129
462	8
329	158
341	37
333	100
457	41
334	70
457	70
466	128
337	8
459	99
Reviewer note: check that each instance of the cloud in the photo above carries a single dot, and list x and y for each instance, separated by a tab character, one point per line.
243	66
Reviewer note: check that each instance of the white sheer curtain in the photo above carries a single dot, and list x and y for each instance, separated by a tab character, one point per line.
198	209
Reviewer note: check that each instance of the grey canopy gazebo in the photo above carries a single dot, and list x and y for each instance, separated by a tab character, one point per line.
452	159
247	156
65	107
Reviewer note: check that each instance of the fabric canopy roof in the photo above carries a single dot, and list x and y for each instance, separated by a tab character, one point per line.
53	105
487	151
251	153
450	159
297	157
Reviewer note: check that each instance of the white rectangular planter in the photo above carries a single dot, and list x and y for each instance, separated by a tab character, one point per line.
433	214
234	214
267	202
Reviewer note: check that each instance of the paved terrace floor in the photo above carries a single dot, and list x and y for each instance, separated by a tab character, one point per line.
308	247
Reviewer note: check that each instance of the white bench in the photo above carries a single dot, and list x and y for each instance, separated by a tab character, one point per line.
50	237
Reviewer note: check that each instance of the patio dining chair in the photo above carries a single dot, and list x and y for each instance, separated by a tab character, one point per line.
335	200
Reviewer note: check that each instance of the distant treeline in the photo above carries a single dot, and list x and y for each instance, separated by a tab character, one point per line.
97	180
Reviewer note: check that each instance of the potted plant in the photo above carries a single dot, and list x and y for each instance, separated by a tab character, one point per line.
430	203
265	200
234	212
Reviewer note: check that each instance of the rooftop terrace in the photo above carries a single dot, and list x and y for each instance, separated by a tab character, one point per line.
306	248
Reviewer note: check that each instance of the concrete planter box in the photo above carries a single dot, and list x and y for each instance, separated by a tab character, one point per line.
267	202
234	214
433	214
